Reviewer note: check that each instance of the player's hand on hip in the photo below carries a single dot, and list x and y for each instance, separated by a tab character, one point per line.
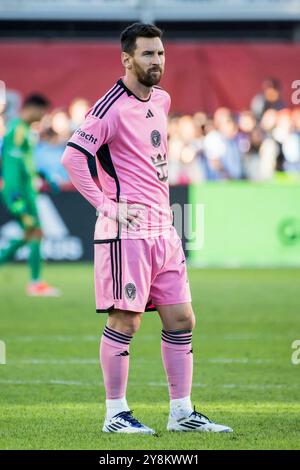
130	215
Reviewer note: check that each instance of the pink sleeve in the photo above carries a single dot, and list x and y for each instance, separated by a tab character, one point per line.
76	165
84	143
94	132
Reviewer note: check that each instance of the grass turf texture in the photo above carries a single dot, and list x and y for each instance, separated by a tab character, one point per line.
52	396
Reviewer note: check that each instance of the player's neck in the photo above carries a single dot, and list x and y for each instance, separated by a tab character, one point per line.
138	89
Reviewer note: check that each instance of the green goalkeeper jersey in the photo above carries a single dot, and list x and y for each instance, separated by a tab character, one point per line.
18	169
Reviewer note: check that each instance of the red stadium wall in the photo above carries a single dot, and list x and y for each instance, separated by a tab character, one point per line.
198	75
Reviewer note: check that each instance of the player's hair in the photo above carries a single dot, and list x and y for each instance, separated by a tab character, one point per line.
36	99
131	33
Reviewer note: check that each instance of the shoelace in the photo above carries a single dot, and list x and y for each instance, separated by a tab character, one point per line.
200	415
127	416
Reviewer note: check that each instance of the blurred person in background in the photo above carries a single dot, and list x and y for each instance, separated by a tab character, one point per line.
291	144
221	147
12	105
183	150
269	150
19	192
213	148
214	145
61	125
221	115
54	131
231	157
200	120
268	98
78	110
282	134
251	137
47	158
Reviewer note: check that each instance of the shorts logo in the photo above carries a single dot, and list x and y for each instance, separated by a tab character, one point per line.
130	291
155	138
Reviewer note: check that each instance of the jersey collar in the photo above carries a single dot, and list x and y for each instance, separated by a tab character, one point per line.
130	93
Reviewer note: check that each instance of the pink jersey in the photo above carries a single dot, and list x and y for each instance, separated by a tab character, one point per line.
128	138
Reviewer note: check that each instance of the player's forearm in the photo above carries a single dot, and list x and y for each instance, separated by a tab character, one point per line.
77	167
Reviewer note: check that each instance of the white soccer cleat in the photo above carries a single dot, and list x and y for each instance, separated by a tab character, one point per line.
124	422
195	422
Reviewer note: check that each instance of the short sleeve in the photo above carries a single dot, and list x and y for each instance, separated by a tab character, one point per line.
93	133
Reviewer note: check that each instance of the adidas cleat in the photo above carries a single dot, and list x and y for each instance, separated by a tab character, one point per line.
196	422
124	422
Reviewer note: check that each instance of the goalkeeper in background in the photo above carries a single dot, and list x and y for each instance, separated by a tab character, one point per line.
19	193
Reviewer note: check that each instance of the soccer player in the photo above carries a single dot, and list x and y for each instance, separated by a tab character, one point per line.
139	259
19	192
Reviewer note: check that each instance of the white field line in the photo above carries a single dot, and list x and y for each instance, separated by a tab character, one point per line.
44	382
241	360
92	361
75	383
87	338
34	362
62	338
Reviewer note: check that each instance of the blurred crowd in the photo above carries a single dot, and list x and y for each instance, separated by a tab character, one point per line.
254	144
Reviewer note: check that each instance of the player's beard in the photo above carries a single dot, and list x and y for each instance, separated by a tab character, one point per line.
148	79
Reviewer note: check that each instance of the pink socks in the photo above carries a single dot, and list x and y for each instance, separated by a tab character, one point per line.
114	360
177	355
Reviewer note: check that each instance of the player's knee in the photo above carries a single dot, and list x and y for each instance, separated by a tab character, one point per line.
132	324
186	320
192	321
127	323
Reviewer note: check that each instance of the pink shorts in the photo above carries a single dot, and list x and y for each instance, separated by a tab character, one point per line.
140	274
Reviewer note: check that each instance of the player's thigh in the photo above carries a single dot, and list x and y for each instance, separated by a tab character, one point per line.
177	316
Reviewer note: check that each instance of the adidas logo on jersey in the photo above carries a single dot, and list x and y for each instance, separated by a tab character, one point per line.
149	114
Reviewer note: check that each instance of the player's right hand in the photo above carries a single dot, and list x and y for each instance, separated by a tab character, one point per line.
130	215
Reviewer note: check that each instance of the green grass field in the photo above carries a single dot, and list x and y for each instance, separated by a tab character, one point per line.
52	394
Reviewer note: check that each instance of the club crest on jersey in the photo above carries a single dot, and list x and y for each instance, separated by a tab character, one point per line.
130	291
155	138
160	163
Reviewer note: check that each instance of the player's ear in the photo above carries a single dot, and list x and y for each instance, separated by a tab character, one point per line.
125	59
